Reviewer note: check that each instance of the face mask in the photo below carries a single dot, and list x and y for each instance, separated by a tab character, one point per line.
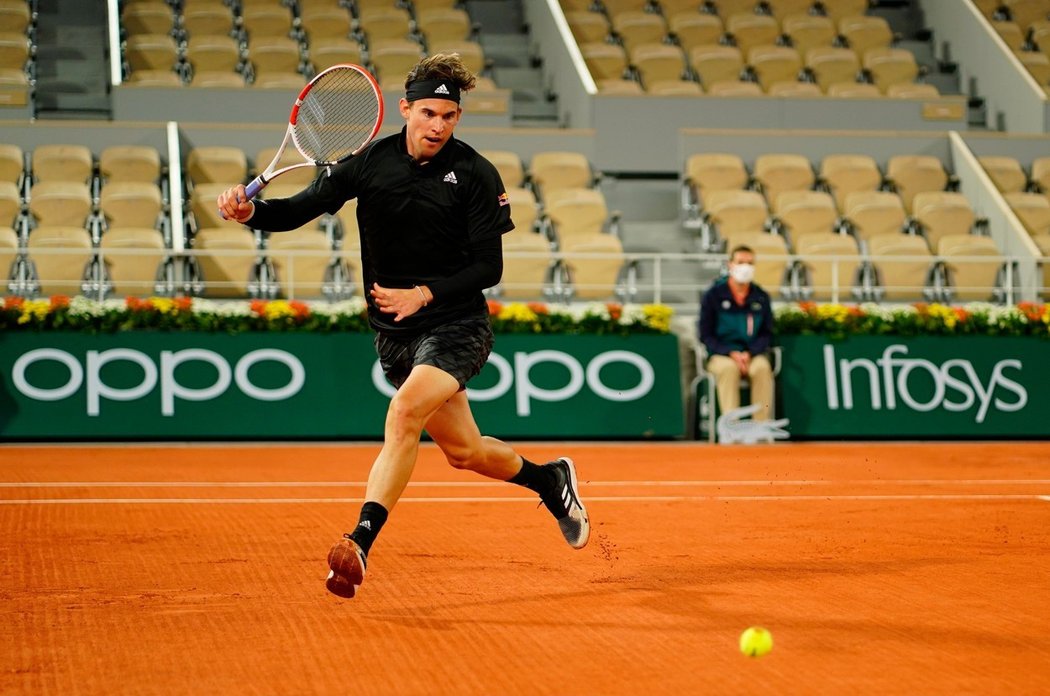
742	272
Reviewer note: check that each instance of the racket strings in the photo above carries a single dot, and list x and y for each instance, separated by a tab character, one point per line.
337	116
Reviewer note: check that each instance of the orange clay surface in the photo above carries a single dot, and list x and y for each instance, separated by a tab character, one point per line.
884	568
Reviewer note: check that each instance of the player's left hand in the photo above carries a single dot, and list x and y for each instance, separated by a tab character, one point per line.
403	302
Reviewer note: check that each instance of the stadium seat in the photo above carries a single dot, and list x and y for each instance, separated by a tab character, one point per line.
595	264
471	53
1040	173
198	19
216	164
692	29
1033	210
10	205
202	204
605	61
217	79
772	259
509	165
1010	33
328	51
837	9
942	213
832	65
129	163
587	26
156	17
228	259
875	213
772	64
714	171
865	32
637	27
750	30
275	55
60	203
155	78
804	212
727	8
258	21
657	62
9	254
130	204
12	163
1042	242
394	58
384	23
785	8
61	258
912	174
777	173
714	64
527	266
968	279
731	211
828	278
213	53
557	169
905	278
1037	64
132	273
890	66
808	31
325	22
575	212
525	211
302	260
444	24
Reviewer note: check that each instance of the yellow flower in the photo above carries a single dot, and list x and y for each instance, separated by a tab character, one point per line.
278	309
164	305
658	316
34	309
517	312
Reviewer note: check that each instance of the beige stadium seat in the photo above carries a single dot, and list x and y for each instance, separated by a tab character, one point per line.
1037	64
656	62
156	17
786	8
637	27
328	51
904	278
10	204
384	23
853	90
941	214
525	211
803	212
750	30
1010	33
394	58
154	78
325	22
669	8
827	278
218	79
60	203
732	212
912	174
605	61
832	65
587	26
1006	173
470	53
129	163
12	163
971	280
61	256
217	164
715	64
594	263
794	90
1040	173
913	90
213	53
620	87
726	8
847	173
444	24
715	171
865	32
774	64
668	88
295	178
62	163
527	261
1033	210
772	258
808	31
837	9
575	212
557	169
302	259
615	7
150	52
203	205
15	49
275	55
875	213
130	204
778	172
266	20
227	257
8	255
1026	12
890	66
132	257
1039	34
206	18
509	165
694	29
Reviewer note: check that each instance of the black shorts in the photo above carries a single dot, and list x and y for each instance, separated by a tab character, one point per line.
460	348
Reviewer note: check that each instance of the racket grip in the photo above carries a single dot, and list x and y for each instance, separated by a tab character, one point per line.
252	189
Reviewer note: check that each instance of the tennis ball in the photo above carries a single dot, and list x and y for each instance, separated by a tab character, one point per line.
756	641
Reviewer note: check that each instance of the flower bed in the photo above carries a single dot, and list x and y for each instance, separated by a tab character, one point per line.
188	314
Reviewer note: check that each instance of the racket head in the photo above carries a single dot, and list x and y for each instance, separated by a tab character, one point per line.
336	114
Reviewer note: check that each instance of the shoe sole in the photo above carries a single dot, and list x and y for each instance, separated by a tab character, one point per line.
585	535
346	570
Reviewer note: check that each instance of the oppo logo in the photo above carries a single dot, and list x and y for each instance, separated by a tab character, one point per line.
517	377
956	386
88	376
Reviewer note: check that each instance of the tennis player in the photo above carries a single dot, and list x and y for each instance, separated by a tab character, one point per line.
432	212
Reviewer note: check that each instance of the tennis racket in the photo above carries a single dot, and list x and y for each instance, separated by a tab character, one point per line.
336	114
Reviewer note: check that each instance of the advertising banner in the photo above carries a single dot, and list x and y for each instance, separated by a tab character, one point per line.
185	386
894	387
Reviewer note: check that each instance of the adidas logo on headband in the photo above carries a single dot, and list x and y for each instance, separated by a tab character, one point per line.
441	89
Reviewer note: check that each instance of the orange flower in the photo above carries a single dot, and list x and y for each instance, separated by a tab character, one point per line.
921	307
615	310
134	304
808	307
300	309
961	314
258	307
183	304
13	302
59	301
538	308
855	311
494	308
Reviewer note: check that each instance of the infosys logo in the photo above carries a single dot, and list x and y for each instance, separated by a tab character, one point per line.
956	384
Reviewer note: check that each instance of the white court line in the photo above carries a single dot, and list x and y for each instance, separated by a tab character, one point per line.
494	484
589	499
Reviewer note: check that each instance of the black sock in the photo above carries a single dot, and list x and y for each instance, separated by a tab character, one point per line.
373	517
534	477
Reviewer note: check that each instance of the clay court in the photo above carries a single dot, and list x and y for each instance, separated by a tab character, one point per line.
879	568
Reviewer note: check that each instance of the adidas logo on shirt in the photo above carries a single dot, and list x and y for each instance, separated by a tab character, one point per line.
441	89
451	178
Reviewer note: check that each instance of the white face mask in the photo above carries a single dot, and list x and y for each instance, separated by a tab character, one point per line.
742	273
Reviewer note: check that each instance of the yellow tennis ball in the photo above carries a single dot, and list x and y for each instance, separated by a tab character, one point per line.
756	641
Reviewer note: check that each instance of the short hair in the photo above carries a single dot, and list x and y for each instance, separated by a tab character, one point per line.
741	248
443	66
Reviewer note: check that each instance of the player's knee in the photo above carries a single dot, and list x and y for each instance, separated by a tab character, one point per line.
404	414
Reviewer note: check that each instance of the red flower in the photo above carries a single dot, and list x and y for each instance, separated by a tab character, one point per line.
301	310
13	302
494	308
538	308
134	304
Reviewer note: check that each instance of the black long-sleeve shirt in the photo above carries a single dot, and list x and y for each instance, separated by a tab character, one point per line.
437	224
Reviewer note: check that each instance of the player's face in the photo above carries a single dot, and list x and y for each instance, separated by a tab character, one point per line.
430	125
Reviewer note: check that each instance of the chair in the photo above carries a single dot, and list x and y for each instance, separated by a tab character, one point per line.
731	212
853	90
129	163
151	52
865	32
325	22
1026	12
557	169
328	51
154	17
155	78
874	213
750	30
1040	173
227	258
1042	242
588	27
444	24
527	266
912	174
295	178
12	163
302	260
727	8
509	165
913	90
830	65
15	50
716	64
844	174
808	31
772	260
1033	210
384	23
605	61
969	279
275	55
715	171
60	203
132	273
575	212
637	27
615	7
470	53
203	19
10	204
394	58
213	53
783	172
657	62
524	209
829	279
218	79
1005	172
216	164
678	88
890	66
837	9
941	214
266	20
1011	34
9	255
905	278
1037	64
130	204
693	29
786	8
594	263
803	212
61	257
773	64
734	88
203	206
794	89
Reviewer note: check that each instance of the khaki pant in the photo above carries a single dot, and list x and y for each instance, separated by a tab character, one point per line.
727	383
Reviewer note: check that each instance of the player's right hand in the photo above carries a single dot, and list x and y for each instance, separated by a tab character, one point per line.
234	204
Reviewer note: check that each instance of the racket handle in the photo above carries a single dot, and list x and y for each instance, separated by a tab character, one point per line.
251	191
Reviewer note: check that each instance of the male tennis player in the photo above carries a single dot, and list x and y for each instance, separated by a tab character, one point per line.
432	212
